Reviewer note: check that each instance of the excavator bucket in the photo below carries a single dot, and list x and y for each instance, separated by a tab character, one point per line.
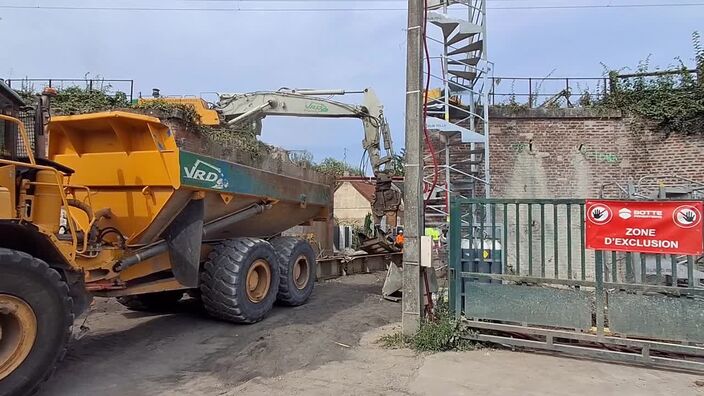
393	283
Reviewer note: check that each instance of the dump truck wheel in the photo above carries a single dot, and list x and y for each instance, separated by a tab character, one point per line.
298	270
35	322
152	302
240	280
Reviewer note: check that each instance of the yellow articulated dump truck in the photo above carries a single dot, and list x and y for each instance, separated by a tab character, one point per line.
118	210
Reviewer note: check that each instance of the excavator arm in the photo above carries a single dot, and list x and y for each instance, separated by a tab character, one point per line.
252	107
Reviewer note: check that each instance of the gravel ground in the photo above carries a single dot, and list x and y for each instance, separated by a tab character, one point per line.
327	347
130	353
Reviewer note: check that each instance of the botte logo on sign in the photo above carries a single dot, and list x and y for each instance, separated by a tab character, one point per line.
625	213
667	227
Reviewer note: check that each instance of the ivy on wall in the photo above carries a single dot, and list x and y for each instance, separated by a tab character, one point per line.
675	100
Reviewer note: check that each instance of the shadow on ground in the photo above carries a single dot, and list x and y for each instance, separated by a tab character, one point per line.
132	353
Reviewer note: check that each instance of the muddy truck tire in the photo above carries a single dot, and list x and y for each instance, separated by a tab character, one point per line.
35	322
298	268
240	280
152	302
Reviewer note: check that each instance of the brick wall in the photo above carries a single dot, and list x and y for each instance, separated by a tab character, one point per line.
572	152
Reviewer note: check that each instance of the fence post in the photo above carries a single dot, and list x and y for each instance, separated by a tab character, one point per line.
530	93
493	91
568	93
455	265
599	291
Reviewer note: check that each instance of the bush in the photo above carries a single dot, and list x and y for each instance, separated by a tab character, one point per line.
438	335
336	168
77	100
675	100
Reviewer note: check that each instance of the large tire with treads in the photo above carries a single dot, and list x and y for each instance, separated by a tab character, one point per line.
240	280
152	302
35	319
298	268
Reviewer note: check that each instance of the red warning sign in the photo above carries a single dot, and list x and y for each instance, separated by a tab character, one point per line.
667	227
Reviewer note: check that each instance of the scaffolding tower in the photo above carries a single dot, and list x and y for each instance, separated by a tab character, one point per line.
457	112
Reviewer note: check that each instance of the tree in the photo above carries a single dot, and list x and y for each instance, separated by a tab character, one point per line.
337	168
399	163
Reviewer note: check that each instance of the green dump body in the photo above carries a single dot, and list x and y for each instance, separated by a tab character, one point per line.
295	200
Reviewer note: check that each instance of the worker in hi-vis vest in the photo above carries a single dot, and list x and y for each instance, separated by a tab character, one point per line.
399	239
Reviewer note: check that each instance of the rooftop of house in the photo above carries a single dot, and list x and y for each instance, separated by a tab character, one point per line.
365	185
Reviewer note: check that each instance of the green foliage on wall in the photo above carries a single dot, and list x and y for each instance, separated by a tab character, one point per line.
674	100
79	100
337	168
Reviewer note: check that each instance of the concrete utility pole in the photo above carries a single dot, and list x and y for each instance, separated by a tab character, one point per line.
413	200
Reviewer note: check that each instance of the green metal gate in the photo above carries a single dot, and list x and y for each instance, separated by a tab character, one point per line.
520	275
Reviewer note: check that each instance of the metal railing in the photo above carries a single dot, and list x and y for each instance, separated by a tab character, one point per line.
540	92
111	86
520	266
545	238
645	75
657	186
535	92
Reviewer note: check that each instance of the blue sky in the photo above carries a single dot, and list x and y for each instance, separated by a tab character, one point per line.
192	52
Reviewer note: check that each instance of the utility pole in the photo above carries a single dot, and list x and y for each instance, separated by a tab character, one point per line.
413	199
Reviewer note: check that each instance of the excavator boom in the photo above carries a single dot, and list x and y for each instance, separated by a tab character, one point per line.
253	107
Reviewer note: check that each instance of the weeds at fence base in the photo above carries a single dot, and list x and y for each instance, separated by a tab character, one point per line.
439	335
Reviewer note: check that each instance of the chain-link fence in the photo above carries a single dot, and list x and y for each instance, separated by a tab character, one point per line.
12	145
27	116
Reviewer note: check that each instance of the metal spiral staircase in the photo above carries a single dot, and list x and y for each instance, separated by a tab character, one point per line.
457	115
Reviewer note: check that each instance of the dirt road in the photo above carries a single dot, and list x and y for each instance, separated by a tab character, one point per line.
325	347
129	353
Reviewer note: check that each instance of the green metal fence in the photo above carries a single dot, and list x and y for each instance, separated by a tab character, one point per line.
520	274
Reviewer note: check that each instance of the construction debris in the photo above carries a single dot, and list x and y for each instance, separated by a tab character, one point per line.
393	283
